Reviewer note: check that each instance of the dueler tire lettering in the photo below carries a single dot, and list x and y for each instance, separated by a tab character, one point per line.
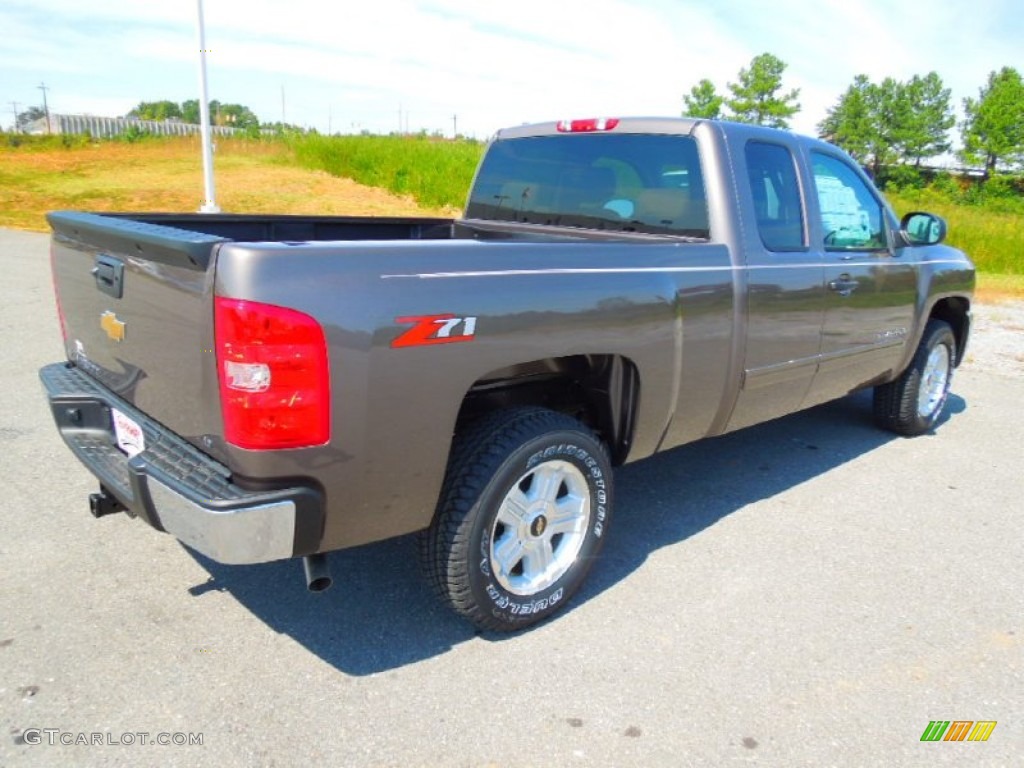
523	512
912	404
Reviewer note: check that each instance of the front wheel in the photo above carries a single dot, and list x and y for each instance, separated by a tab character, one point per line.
523	512
912	404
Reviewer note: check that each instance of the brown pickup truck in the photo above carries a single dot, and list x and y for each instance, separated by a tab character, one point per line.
266	387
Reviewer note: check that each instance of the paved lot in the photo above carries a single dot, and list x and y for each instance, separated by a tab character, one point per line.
810	592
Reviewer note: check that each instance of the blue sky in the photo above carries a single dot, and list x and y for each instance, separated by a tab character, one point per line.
348	66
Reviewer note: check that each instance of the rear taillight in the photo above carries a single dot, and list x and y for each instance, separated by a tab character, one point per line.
274	380
56	295
588	126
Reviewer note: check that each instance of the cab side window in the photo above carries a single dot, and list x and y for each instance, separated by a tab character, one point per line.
851	216
776	193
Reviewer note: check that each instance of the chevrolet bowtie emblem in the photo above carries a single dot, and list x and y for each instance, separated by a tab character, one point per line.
113	326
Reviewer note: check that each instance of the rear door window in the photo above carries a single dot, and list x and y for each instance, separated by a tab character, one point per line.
616	182
776	193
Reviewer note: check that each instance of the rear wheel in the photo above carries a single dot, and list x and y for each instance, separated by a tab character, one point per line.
523	512
912	404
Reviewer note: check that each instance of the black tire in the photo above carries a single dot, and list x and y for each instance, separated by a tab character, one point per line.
912	403
524	510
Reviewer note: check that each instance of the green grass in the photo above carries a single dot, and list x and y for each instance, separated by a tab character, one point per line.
435	172
991	233
993	287
27	143
165	174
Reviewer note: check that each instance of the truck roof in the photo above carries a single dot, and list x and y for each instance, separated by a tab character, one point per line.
669	125
680	126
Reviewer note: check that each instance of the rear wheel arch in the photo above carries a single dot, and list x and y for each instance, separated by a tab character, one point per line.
601	391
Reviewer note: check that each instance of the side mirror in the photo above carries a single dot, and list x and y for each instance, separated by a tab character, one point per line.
919	228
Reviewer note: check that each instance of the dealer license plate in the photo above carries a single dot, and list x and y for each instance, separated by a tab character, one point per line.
128	433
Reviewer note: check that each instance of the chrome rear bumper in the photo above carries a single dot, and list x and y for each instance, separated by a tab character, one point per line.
175	487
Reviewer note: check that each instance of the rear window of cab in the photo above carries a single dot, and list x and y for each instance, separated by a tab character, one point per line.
616	182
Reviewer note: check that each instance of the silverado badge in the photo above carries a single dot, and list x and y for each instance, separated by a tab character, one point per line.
113	326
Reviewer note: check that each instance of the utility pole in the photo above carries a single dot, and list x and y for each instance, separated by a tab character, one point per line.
46	107
209	202
14	108
455	126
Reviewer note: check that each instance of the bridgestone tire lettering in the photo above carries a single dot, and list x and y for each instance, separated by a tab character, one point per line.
562	529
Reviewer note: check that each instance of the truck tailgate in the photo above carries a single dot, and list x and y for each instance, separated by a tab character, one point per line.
136	306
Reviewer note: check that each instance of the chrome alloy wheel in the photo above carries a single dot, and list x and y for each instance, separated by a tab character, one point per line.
934	381
540	527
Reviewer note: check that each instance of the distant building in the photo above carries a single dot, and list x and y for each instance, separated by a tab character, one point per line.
109	127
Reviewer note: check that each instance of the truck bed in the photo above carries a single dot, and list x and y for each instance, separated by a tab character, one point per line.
298	228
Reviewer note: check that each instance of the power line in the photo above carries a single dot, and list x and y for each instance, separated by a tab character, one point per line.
209	187
46	107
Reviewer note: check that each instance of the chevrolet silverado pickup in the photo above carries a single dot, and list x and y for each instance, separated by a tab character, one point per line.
269	387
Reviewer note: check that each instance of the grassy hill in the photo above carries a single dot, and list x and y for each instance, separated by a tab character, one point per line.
160	174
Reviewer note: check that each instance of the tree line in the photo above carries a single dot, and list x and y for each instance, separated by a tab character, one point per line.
230	115
882	124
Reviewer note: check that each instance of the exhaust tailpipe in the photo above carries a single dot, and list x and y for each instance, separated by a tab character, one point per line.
318	573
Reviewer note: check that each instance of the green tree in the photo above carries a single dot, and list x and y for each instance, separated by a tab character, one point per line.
881	124
756	99
852	123
925	122
29	116
892	116
156	110
703	101
993	131
233	115
190	111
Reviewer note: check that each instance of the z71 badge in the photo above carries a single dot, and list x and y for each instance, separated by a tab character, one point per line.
435	329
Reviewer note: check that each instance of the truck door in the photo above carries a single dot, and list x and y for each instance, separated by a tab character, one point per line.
785	290
870	285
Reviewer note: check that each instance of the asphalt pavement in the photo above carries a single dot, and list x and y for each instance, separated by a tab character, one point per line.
809	592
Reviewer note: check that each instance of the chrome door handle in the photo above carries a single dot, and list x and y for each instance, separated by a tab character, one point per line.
844	285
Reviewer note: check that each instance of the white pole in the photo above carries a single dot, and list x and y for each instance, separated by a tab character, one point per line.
209	201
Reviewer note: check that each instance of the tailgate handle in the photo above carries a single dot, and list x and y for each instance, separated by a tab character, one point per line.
109	274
